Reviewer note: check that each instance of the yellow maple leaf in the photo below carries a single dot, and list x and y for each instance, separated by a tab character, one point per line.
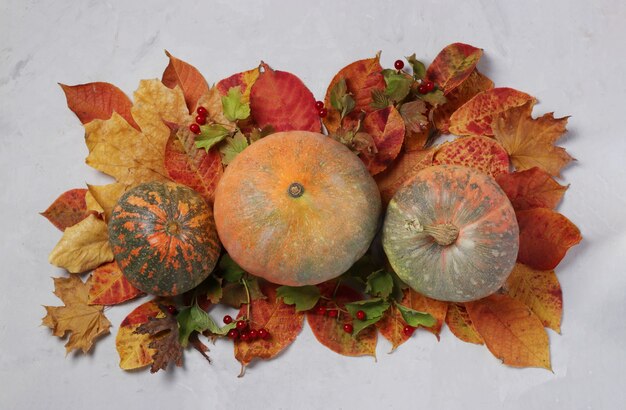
85	322
530	142
83	247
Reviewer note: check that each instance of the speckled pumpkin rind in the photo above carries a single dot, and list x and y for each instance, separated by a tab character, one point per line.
296	240
478	263
163	237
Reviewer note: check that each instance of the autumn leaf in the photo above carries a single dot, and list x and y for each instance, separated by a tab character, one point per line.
540	291
474	84
476	115
402	171
243	80
110	287
105	197
530	142
460	324
531	188
481	153
84	322
232	147
391	327
93	101
188	78
302	297
197	168
68	209
544	237
329	331
279	319
234	108
453	65
83	247
133	348
386	128
511	331
163	332
281	99
362	78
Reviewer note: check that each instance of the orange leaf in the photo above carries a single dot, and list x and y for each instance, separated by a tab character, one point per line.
188	78
362	77
281	100
540	291
68	209
402	171
110	287
188	165
532	188
544	237
460	324
474	84
453	65
98	101
481	153
417	140
391	327
244	80
511	331
281	320
386	127
329	331
530	142
133	347
475	116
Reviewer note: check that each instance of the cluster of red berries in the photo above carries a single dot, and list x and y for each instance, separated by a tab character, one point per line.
200	120
425	87
321	111
242	332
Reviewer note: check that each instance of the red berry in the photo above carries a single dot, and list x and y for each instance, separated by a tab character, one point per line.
430	86
348	328
228	320
172	309
264	334
333	313
321	310
201	119
422	89
399	64
323	112
195	128
241	324
244	336
253	334
361	315
408	330
233	334
319	105
202	111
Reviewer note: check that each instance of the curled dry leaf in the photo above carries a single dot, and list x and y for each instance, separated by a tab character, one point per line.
540	291
83	247
84	322
102	198
164	339
481	153
453	65
531	188
544	237
511	331
110	287
181	74
402	171
460	324
133	348
475	116
530	142
386	128
98	101
362	78
68	209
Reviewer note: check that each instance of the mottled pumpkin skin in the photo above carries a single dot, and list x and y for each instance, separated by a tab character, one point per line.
163	237
478	262
296	240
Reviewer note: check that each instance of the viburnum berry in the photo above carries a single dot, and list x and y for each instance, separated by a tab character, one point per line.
202	111
408	330
361	315
244	336
253	334
200	119
399	64
264	334
333	313
172	309
195	128
323	112
430	86
348	328
241	324
422	89
319	105
228	319
233	334
320	310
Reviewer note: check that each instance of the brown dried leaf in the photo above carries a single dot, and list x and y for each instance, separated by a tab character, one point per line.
164	340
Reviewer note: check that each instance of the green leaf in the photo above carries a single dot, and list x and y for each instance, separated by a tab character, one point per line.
210	135
373	308
233	108
419	69
413	114
398	84
189	320
379	283
398	287
433	98
233	146
379	99
304	297
340	99
231	272
220	331
414	318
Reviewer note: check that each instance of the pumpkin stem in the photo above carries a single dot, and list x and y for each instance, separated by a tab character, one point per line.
443	234
295	190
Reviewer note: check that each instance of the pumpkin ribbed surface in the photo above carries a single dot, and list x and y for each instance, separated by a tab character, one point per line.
163	237
451	234
296	208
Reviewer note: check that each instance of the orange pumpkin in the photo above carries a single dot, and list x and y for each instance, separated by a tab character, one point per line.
296	208
451	234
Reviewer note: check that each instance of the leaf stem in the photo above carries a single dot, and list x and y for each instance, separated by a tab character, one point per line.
245	285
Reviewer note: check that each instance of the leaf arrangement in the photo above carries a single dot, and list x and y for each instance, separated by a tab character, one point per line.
391	119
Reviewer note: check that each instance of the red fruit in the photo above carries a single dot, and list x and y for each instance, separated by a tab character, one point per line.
228	320
253	334
264	334
430	86
195	128
319	105
408	330
202	111
172	309
361	315
333	313
323	112
201	119
422	89
348	328
241	324
320	310
399	64
244	336
233	334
